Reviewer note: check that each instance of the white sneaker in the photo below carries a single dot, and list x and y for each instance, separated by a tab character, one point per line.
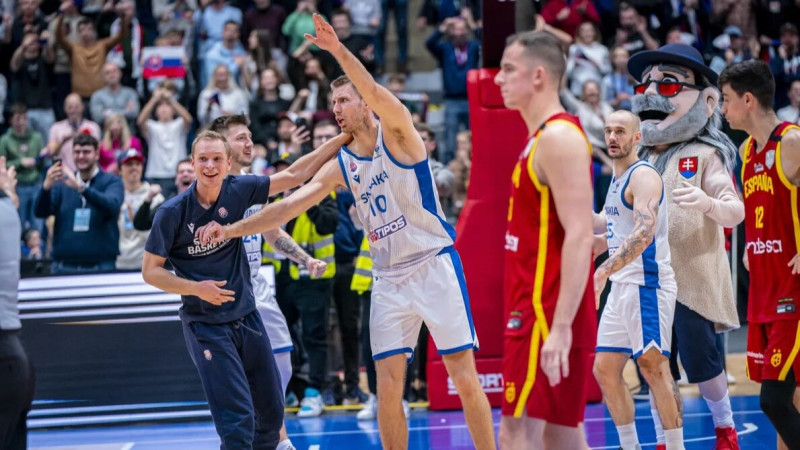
731	379
311	405
406	409
370	409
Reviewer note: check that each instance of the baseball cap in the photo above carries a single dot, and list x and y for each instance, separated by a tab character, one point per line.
286	158
733	30
128	155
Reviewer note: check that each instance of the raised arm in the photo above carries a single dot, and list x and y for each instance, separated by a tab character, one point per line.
561	151
646	189
61	40
392	112
275	214
308	165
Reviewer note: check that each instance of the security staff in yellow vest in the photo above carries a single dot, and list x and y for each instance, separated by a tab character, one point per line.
306	299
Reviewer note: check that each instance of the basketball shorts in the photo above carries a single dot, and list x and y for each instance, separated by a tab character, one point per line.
637	318
271	315
527	390
772	350
434	293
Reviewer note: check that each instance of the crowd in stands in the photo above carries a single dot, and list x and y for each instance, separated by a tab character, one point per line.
100	98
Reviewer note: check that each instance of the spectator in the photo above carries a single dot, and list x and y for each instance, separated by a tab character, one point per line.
228	52
61	133
314	90
771	15
786	66
692	20
21	146
359	45
29	20
267	17
632	32
569	15
127	55
88	55
740	13
31	66
62	76
293	140
210	22
131	241
456	56
86	205
734	47
33	245
113	98
299	23
183	85
221	97
165	136
399	9
365	16
618	85
261	56
587	59
184	177
461	166
176	15
416	102
267	106
790	112
117	138
442	176
434	12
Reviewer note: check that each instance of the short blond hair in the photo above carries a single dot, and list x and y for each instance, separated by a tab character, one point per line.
208	135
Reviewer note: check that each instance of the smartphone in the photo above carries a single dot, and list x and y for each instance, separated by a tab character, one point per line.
300	122
56	160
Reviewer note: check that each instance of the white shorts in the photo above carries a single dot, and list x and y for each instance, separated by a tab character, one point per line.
271	315
636	319
435	293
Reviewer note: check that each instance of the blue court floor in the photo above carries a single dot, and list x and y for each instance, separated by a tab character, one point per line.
428	430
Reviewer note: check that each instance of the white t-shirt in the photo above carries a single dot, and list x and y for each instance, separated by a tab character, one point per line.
131	241
167	143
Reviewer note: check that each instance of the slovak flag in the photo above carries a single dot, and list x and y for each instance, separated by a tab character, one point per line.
158	62
688	166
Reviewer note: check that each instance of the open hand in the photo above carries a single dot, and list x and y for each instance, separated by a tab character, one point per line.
209	290
689	196
211	233
555	353
325	38
794	264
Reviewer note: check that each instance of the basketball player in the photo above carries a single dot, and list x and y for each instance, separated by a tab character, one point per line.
417	272
236	132
551	325
225	335
637	320
770	177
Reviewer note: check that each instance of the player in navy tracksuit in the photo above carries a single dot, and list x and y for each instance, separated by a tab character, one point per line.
224	333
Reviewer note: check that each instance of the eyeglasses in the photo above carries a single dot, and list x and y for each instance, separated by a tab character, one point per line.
665	88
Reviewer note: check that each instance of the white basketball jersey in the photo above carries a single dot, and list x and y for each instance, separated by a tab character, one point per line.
398	205
652	268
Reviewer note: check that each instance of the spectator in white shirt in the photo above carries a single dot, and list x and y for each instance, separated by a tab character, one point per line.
221	97
791	112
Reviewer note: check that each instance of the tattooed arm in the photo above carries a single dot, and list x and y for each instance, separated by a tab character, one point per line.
283	243
644	192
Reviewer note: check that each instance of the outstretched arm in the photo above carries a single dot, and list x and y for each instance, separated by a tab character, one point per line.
275	214
646	188
305	167
283	243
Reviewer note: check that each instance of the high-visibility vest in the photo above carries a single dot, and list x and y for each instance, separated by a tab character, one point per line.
362	277
319	246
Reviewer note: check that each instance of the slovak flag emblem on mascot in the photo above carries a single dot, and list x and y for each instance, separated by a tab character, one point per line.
688	166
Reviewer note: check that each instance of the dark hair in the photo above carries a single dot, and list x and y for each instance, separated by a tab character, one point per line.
396	78
262	54
18	108
545	48
325	123
751	76
223	123
341	81
84	139
232	22
342	12
84	22
423	127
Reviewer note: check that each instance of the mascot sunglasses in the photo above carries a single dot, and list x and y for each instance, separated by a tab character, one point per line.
665	88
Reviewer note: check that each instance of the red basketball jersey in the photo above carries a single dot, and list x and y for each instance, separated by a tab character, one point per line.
772	231
533	251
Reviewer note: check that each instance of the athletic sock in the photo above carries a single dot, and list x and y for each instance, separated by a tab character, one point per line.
721	411
674	439
285	445
660	439
628	439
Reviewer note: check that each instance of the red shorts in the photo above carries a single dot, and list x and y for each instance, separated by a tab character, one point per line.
527	389
772	350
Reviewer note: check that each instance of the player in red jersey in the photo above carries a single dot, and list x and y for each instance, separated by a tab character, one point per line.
549	302
770	180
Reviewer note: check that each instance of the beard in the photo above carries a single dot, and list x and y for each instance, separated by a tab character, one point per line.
684	129
625	150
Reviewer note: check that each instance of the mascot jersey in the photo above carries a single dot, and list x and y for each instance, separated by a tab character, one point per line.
772	227
533	251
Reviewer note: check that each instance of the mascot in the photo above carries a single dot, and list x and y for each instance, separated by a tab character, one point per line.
677	102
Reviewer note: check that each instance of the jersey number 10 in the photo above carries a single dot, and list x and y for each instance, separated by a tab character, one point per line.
379	203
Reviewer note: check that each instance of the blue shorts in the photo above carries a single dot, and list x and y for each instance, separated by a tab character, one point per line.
695	340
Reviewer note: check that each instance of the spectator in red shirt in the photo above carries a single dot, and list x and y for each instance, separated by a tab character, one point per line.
568	15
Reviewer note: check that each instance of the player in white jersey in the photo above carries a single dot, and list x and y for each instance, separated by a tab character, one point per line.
236	132
637	320
417	273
